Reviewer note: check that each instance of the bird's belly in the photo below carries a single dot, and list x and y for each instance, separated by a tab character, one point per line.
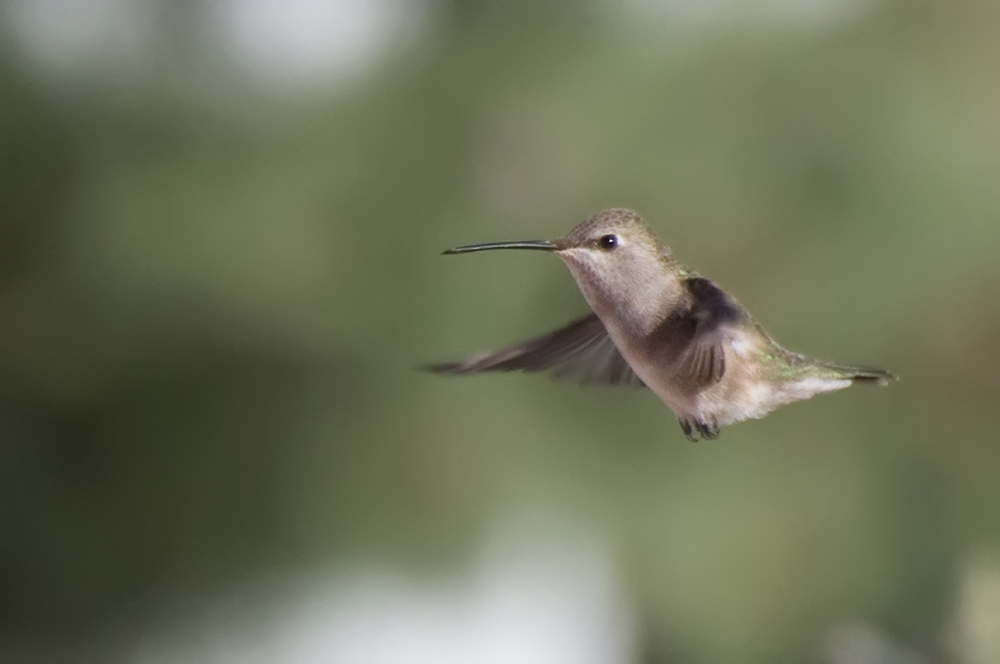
747	389
661	382
742	392
728	402
654	374
683	405
753	399
724	403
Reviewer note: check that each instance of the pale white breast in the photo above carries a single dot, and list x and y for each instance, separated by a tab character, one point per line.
807	387
740	345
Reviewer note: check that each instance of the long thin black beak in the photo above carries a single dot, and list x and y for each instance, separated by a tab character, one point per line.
538	245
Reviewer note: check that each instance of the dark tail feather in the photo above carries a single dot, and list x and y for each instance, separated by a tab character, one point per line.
872	375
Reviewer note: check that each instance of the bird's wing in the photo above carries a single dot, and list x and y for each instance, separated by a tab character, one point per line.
702	362
581	351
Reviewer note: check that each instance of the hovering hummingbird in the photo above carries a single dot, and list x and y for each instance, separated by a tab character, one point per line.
659	325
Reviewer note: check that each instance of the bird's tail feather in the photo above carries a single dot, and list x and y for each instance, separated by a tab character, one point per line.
862	374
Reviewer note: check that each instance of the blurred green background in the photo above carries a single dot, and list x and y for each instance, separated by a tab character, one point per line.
219	235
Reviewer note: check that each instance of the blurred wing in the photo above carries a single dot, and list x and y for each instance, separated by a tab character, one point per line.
703	360
581	351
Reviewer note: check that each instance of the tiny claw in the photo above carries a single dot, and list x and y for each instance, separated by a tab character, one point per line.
708	431
688	432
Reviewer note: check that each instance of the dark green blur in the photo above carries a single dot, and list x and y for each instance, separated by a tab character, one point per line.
211	315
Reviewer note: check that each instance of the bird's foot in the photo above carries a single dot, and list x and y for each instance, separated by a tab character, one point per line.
708	430
695	430
688	432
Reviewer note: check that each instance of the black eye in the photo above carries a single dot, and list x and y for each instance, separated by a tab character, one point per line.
608	242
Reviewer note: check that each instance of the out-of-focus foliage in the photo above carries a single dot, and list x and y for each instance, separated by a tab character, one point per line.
211	309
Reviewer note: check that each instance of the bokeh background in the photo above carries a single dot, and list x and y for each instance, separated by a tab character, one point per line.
219	233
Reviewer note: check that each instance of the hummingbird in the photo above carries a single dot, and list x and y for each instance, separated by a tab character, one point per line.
656	324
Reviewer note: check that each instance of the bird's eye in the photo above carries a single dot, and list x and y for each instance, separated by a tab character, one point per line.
608	242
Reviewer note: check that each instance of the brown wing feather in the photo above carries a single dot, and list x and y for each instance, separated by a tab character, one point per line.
581	351
703	361
693	336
